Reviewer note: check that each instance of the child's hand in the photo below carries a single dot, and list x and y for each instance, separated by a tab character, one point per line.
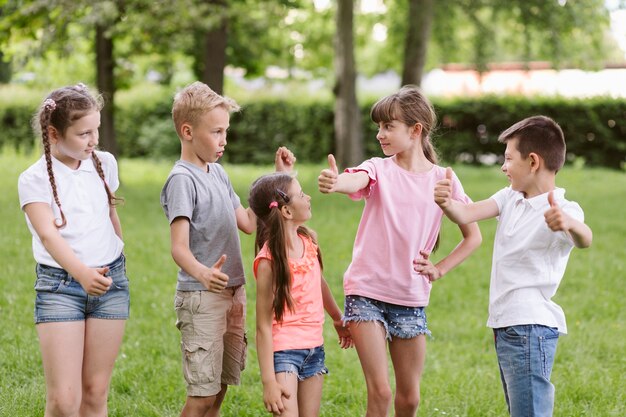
345	339
425	267
327	180
273	394
443	190
555	218
213	278
95	281
284	160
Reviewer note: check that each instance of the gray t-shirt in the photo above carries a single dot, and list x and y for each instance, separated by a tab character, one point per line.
208	200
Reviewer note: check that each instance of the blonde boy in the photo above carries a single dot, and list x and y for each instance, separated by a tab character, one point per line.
205	215
537	229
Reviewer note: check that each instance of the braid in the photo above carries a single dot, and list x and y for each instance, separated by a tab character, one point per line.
113	200
45	122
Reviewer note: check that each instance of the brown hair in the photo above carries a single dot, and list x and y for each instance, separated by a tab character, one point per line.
195	100
540	135
271	230
409	106
61	109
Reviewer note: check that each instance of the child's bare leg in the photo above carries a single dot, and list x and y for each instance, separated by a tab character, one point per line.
289	380
371	345
197	406
214	411
407	356
310	396
102	343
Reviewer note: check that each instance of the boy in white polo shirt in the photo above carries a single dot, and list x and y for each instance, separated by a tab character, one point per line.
537	229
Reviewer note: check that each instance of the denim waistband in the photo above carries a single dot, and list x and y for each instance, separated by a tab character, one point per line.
113	266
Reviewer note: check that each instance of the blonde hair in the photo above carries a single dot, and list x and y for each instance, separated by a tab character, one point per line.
195	100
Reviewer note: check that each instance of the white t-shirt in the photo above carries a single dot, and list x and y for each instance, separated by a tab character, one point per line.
89	230
529	261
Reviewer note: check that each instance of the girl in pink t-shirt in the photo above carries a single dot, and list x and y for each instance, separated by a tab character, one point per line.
388	282
291	298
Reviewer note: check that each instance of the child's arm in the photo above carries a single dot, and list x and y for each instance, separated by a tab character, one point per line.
557	220
330	181
246	219
273	392
331	307
115	220
213	278
471	241
93	280
458	212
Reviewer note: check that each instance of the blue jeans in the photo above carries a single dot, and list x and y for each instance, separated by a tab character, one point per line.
525	356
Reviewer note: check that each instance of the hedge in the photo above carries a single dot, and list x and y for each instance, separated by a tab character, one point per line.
595	128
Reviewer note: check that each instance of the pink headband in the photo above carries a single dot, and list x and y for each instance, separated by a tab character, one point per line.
273	204
49	104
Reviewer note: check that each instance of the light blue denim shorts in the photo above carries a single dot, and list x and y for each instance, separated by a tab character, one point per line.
61	298
399	321
305	363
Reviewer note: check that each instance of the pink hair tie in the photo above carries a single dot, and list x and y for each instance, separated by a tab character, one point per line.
49	104
273	204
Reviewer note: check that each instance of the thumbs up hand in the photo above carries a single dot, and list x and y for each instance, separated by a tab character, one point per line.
443	190
284	160
327	179
213	278
555	218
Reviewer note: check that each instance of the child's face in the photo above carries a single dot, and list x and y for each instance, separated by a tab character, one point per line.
299	203
209	134
79	140
516	168
394	137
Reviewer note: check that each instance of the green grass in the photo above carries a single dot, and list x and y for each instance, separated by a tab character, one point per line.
461	375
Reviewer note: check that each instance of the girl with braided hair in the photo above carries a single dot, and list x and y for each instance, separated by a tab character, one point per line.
291	297
82	296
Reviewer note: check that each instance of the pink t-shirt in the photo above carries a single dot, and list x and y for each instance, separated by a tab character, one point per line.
400	218
302	328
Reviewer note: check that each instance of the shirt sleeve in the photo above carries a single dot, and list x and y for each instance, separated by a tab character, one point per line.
500	198
369	168
234	198
458	193
33	187
179	197
109	167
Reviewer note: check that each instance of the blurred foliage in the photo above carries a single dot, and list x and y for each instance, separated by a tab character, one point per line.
595	128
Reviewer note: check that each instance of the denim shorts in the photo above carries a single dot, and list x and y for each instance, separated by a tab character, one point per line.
399	321
305	363
61	298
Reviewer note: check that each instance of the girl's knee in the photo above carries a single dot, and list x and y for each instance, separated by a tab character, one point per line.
381	394
95	395
62	405
407	403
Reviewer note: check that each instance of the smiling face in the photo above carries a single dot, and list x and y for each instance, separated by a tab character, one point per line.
208	136
516	168
394	137
78	141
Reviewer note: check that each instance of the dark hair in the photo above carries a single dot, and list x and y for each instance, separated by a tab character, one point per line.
61	109
409	106
265	191
540	135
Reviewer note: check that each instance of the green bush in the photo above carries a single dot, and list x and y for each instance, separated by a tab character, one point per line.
595	128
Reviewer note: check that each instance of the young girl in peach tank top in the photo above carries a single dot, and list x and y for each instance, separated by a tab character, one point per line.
291	298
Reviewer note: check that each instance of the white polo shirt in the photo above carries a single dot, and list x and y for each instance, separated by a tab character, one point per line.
529	261
89	230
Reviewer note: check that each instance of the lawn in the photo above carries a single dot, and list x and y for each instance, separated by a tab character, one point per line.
461	374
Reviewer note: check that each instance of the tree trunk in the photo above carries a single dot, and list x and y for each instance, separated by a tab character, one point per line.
348	130
214	56
106	86
417	37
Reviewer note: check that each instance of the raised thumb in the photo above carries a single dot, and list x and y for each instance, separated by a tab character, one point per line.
332	163
220	262
448	173
551	200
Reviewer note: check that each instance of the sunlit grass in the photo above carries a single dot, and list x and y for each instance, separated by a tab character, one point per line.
461	375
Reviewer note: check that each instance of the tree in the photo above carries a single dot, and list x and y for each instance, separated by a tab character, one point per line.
420	18
348	130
